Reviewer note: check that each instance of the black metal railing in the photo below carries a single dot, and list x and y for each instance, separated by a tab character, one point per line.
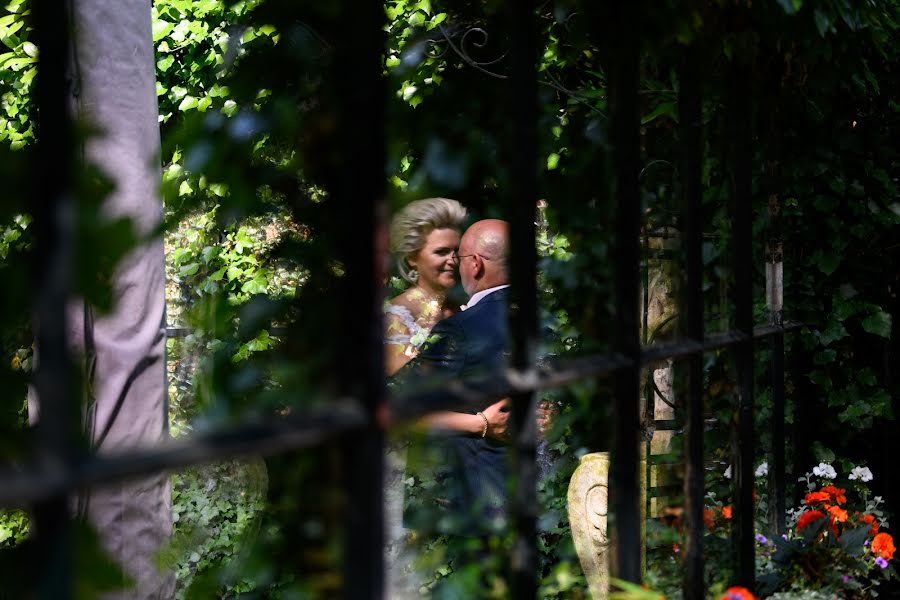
46	484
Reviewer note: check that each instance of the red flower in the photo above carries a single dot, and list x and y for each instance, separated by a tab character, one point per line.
726	512
808	517
738	593
709	518
838	514
883	546
870	519
814	497
838	495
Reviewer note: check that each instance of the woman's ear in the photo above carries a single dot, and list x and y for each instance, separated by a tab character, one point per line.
411	261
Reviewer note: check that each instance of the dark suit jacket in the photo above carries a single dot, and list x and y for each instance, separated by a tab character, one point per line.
463	477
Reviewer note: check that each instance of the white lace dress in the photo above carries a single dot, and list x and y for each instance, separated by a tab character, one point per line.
401	581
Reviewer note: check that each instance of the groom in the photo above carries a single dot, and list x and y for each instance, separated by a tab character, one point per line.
465	475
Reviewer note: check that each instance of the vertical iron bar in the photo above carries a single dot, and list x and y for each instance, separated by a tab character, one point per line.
774	305
623	74
689	106
359	196
523	276
53	212
775	294
777	475
739	115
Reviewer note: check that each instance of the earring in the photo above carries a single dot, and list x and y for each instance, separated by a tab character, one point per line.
412	275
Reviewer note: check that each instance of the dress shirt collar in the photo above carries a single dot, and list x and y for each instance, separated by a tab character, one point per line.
477	296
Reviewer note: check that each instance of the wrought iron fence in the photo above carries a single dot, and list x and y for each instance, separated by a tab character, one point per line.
60	470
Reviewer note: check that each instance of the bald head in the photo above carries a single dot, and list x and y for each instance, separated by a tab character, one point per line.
483	251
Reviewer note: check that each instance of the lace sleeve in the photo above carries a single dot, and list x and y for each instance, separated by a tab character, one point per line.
397	332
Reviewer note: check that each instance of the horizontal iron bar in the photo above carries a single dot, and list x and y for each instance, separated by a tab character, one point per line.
668	425
455	394
681	348
21	487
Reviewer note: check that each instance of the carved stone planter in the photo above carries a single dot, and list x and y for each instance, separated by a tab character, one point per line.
588	503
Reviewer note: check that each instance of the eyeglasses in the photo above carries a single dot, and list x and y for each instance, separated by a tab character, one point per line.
482	256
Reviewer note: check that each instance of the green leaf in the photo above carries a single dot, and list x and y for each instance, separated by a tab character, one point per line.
188	103
666	108
824	357
821	379
161	29
30	49
552	161
852	541
164	63
791	6
827	263
833	331
878	323
416	19
17	63
823	22
189	269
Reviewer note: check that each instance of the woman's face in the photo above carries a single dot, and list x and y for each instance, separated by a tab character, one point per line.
436	261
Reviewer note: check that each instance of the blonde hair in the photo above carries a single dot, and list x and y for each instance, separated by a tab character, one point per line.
411	226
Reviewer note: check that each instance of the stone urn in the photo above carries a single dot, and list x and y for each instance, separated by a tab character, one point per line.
588	503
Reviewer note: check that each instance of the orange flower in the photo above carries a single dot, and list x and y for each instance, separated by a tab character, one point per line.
870	519
836	494
838	514
709	518
726	512
808	517
738	593
883	546
813	497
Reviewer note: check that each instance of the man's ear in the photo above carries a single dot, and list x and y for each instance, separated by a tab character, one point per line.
479	266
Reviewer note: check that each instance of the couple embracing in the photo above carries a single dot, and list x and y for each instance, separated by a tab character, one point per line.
460	455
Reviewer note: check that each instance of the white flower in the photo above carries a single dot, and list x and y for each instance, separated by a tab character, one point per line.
728	472
825	470
861	473
762	470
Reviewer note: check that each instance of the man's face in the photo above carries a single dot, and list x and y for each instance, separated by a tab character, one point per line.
467	266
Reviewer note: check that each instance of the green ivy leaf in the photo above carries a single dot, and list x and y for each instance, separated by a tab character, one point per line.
188	102
878	323
189	269
821	379
833	331
827	263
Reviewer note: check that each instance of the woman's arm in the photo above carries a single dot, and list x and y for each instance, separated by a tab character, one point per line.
473	424
395	354
394	358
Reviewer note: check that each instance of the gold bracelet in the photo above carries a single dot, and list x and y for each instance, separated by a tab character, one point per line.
483	431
